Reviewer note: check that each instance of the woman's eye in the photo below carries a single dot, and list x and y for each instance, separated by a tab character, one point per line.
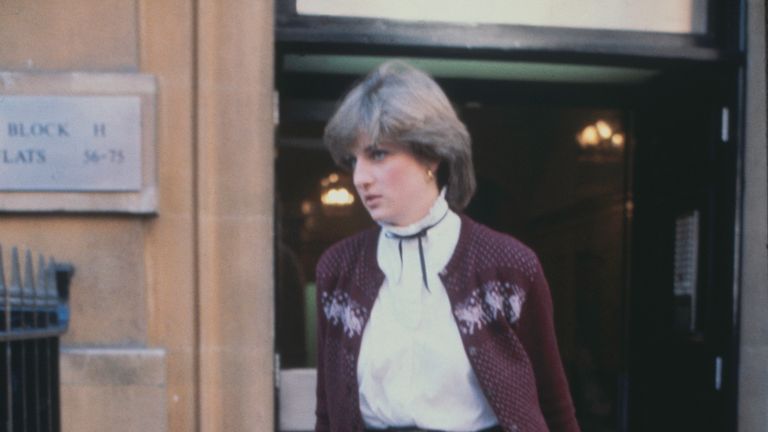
378	154
350	162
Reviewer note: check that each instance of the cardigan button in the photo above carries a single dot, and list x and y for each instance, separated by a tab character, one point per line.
472	351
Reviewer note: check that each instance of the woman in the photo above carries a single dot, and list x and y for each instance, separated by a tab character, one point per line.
429	321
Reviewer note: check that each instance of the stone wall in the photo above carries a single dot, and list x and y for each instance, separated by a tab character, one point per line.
171	323
753	374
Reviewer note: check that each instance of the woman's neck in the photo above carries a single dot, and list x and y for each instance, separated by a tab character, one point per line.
431	215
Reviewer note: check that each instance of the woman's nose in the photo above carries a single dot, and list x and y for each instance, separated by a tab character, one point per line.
361	175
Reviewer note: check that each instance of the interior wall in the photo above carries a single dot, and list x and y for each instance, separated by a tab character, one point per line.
753	375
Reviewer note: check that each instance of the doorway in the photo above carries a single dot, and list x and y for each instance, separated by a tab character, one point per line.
598	181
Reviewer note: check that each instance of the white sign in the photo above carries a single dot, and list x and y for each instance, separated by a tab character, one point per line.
70	143
665	16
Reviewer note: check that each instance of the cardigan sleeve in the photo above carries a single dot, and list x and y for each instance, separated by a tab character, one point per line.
537	333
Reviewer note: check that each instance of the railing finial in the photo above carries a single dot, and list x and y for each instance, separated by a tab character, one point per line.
51	293
40	291
28	285
2	274
15	287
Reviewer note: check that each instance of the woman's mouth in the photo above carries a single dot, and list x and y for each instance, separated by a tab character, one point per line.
371	199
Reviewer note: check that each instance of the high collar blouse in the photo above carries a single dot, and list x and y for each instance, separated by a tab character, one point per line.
412	369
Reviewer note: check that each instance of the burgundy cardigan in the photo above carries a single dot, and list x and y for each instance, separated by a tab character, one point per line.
503	309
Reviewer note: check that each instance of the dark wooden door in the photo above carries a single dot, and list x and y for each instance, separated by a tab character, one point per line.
682	353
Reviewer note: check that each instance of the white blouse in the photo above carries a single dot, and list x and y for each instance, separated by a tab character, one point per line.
412	369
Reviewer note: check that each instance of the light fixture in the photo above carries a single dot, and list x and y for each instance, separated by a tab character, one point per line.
337	197
603	129
618	140
307	208
334	193
588	137
600	141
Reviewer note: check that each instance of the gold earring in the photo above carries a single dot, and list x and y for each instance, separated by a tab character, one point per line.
430	174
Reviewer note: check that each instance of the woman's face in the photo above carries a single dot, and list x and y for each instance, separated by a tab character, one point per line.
393	185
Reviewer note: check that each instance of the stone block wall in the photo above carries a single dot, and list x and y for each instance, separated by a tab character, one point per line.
171	313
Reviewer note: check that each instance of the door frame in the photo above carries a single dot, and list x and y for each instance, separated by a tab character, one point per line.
721	49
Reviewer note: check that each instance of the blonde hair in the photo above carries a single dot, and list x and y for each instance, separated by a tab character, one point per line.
400	104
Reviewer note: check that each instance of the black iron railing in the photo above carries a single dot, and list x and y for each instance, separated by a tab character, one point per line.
34	312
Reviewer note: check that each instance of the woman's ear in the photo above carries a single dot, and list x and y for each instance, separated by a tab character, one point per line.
433	165
432	172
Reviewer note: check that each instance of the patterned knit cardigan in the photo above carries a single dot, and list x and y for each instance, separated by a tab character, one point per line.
502	306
